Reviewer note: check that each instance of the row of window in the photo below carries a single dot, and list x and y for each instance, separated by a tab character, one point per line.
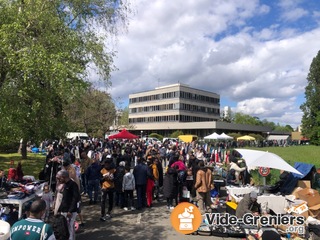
170	118
176	94
175	106
198	97
196	108
162	107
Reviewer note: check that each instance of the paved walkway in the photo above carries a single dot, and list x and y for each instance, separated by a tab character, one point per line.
152	223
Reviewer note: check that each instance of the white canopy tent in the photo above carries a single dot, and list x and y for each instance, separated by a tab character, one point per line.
225	136
214	136
256	158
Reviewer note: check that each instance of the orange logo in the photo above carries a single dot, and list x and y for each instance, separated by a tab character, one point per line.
186	218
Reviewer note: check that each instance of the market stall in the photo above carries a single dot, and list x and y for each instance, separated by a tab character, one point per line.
19	202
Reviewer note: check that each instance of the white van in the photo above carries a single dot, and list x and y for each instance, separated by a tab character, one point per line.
81	136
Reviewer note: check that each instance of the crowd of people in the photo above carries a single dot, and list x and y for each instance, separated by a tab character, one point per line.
110	173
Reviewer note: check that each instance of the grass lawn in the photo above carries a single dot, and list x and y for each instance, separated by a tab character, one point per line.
305	153
32	166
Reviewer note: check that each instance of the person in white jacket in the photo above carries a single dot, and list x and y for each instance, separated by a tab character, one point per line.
128	185
235	166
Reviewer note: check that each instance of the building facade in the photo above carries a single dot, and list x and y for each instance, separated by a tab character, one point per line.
180	107
175	103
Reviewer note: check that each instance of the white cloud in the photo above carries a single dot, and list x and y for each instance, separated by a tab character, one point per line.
210	45
294	14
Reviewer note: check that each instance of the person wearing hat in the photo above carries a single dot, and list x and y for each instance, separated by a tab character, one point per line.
248	204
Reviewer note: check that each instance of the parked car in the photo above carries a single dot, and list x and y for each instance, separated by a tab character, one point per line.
152	140
170	140
73	135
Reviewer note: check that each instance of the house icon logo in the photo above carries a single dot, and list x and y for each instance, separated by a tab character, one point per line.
186	218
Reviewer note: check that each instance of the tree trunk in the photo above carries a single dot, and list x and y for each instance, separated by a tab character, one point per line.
24	149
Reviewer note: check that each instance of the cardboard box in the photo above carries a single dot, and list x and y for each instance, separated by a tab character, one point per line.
314	211
295	191
304	184
300	210
309	195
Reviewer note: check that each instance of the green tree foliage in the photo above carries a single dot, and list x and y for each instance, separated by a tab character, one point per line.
156	135
311	108
92	112
177	133
241	118
46	51
286	128
124	119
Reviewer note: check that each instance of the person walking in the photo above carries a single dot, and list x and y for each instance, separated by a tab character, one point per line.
170	187
85	163
93	178
140	173
128	185
33	228
70	200
118	178
203	187
153	175
107	188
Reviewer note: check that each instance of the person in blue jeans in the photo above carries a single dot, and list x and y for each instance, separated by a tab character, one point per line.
93	180
140	173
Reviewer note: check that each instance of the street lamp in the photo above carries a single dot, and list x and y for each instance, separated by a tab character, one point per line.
141	134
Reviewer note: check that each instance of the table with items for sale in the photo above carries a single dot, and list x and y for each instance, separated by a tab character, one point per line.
234	190
19	202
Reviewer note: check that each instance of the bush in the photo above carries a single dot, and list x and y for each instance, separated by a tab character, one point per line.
271	179
176	134
156	135
9	148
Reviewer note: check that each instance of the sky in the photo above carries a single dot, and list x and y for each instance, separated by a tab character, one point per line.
255	54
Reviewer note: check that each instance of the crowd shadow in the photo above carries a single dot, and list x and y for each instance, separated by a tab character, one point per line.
139	224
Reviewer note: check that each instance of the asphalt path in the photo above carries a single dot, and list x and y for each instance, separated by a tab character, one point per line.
150	223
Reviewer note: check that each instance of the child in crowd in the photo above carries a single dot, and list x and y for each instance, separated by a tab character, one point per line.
48	198
128	185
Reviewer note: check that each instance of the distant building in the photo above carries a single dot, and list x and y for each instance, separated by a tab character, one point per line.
173	103
180	107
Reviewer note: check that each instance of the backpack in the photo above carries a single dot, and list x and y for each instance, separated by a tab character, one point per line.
182	176
60	226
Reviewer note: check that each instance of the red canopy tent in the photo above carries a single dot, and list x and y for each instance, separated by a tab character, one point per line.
124	134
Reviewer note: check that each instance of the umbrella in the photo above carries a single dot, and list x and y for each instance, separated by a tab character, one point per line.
225	136
246	137
213	136
256	158
124	134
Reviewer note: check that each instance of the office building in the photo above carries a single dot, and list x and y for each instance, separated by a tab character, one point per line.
180	107
173	103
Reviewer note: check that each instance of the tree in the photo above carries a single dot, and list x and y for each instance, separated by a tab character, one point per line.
124	119
47	49
311	108
176	134
241	118
286	128
92	112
